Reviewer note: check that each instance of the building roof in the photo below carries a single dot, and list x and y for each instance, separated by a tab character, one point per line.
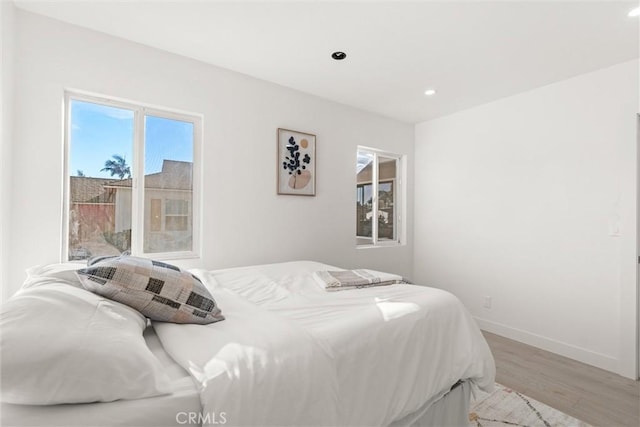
175	175
89	190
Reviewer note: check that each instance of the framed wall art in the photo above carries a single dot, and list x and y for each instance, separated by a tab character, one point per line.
296	163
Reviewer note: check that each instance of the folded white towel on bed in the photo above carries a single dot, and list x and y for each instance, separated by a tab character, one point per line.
355	279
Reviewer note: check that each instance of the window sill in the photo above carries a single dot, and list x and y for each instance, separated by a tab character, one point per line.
380	245
168	256
160	256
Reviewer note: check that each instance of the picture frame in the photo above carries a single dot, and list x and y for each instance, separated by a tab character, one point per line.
296	163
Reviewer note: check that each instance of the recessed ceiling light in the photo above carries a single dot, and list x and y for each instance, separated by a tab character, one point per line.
430	92
635	12
338	56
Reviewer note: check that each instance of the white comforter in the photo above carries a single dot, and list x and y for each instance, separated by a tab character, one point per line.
291	353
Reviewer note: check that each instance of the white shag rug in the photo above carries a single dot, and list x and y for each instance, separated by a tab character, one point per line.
506	407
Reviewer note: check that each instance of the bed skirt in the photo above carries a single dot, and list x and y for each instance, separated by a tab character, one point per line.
450	409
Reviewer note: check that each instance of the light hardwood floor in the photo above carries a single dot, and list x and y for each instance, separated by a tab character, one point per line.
595	396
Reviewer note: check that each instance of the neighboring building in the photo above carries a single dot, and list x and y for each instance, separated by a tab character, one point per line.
92	213
101	214
168	207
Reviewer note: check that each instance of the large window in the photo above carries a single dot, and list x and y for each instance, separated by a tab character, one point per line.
131	179
377	197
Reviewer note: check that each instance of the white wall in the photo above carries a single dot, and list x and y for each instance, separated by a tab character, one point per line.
6	132
517	200
245	222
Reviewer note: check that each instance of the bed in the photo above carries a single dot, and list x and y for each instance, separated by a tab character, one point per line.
291	353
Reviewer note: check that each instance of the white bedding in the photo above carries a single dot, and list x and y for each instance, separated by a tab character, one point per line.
291	353
255	368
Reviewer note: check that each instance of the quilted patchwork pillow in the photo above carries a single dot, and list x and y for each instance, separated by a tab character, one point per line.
158	290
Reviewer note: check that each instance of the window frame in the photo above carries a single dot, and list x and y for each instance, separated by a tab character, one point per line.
399	196
140	111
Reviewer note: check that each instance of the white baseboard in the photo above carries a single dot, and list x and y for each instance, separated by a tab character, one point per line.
573	352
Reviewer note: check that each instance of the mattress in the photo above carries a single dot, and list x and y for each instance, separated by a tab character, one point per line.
168	410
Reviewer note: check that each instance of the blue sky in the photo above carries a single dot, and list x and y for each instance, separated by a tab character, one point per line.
99	131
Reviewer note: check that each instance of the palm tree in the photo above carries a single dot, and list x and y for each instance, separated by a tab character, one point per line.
118	166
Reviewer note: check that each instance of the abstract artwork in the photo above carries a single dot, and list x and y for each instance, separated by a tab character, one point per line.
296	163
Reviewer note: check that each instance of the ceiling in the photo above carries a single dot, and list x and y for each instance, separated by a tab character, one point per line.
471	52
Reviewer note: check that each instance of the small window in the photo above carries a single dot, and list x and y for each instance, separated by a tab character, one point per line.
177	215
130	183
377	197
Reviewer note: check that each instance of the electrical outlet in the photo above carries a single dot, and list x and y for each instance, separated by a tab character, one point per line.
487	302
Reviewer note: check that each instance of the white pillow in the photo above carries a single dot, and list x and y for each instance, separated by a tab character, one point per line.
63	344
53	273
